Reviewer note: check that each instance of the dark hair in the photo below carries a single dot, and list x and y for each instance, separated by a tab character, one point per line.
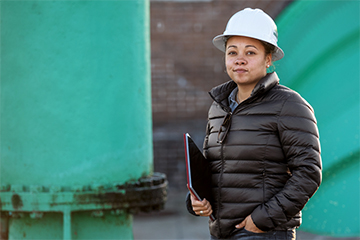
269	48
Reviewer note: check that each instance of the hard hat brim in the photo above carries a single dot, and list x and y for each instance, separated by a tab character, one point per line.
220	41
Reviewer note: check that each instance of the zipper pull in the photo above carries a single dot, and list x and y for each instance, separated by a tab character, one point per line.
226	124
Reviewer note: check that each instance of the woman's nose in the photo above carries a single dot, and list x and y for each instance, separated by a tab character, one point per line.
240	61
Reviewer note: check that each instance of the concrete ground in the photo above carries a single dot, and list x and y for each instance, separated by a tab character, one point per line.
174	222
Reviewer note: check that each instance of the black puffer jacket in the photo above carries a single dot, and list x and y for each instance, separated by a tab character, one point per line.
268	164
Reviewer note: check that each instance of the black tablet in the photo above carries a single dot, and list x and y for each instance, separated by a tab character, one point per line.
197	171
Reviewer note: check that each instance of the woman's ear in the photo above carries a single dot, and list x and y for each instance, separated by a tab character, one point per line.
268	59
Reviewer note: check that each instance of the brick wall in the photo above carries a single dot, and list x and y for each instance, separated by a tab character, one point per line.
185	66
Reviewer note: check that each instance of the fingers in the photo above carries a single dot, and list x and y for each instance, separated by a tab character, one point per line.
193	198
202	208
204	213
241	225
249	225
201	204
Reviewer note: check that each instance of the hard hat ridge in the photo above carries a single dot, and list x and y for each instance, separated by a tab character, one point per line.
252	23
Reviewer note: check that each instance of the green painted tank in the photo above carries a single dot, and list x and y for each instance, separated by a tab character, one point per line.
321	44
76	128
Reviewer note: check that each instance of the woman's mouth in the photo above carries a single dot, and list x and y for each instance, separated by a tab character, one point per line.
240	70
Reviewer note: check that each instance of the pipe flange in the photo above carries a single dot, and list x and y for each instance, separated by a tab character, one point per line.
145	194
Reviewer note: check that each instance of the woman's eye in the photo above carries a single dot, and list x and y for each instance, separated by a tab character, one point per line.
250	53
232	53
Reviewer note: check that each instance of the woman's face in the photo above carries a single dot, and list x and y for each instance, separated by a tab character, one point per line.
245	60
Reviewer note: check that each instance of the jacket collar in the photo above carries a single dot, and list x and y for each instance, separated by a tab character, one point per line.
221	92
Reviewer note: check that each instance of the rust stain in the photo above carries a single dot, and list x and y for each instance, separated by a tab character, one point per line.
16	202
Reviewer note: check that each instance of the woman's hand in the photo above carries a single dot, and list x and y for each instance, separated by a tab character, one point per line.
201	208
249	225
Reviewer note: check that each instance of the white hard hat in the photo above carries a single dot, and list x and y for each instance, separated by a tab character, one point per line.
252	23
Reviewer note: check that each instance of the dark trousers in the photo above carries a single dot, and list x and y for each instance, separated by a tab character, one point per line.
272	235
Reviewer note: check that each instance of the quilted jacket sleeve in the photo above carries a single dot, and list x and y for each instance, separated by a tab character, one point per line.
299	137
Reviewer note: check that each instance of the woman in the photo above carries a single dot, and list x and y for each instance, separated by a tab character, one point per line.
261	142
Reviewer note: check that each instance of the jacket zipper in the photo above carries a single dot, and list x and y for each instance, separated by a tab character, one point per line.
264	174
220	184
229	111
